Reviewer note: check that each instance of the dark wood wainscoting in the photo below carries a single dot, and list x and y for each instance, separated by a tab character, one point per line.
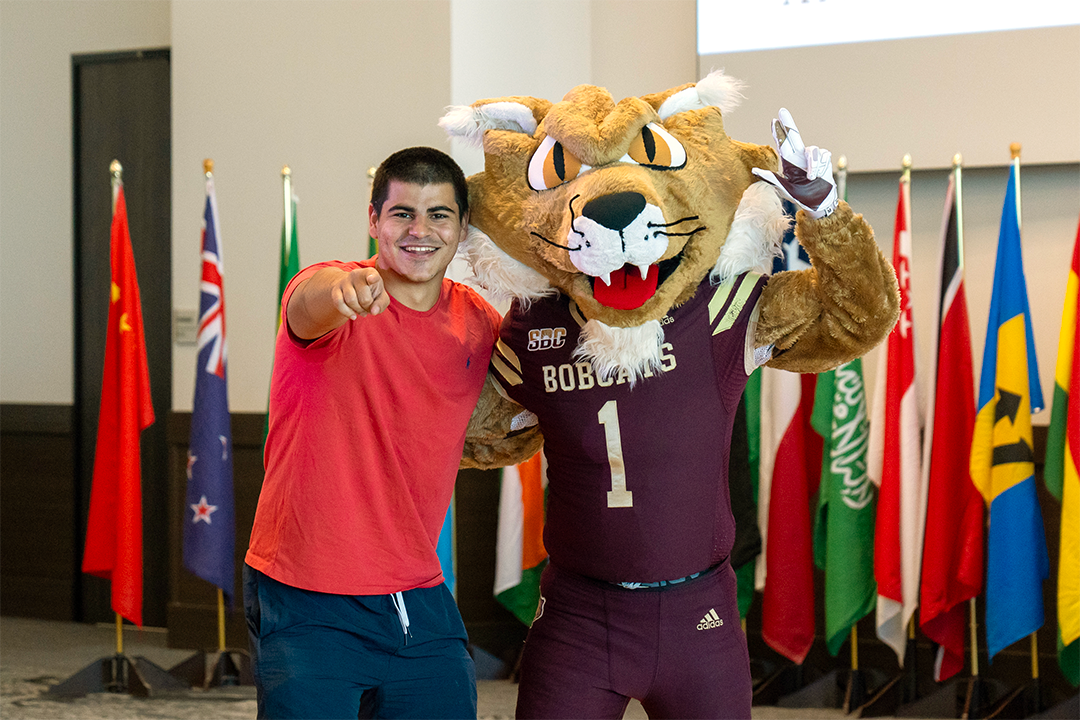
38	568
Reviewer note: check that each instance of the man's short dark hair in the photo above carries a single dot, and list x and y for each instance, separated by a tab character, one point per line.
420	166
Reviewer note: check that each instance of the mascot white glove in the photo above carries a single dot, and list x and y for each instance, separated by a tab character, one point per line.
806	177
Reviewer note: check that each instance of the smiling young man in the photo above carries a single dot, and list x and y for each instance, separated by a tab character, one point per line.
377	368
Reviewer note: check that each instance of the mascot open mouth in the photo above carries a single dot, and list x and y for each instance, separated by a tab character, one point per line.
628	290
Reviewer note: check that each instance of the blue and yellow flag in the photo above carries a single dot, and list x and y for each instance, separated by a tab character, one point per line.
1002	462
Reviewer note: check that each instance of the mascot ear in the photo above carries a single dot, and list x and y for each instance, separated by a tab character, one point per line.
469	122
714	90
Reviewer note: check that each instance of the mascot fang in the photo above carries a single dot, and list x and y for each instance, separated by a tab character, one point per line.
634	240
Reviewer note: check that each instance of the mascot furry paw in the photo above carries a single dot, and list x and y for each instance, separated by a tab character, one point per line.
634	240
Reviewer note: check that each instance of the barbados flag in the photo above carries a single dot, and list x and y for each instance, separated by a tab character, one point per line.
1002	462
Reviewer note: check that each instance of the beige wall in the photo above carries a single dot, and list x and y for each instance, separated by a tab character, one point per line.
557	44
37	40
328	88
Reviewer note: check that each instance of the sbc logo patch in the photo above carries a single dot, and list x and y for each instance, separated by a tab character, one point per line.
546	338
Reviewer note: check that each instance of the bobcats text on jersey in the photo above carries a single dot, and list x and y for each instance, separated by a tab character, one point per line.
580	375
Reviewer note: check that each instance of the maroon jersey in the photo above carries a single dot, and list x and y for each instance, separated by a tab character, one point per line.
637	477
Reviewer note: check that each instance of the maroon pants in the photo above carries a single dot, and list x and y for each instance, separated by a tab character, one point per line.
678	649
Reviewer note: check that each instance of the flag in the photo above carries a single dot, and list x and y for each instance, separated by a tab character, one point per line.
290	253
446	550
952	561
893	457
1002	461
114	526
790	463
209	524
1061	473
744	575
844	523
742	490
288	266
520	555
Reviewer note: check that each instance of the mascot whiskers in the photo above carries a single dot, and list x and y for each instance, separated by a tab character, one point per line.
634	240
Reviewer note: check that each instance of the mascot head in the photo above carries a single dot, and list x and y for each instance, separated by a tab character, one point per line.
625	207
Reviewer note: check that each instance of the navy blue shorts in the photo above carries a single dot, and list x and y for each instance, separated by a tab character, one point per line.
318	655
679	649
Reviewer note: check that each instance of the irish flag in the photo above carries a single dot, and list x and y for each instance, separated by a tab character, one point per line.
1062	479
520	555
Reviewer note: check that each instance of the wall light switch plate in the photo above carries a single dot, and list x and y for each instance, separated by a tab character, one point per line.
185	327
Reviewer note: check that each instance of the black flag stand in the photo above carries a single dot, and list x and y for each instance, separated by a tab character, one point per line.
216	668
118	674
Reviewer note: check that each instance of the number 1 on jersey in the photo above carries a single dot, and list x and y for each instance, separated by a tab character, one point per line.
618	496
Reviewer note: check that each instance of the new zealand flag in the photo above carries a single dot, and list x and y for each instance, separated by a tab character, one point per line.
209	524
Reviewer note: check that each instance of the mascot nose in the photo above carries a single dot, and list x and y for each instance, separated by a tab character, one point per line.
614	211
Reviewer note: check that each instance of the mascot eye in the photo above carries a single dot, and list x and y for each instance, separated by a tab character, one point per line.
656	148
552	165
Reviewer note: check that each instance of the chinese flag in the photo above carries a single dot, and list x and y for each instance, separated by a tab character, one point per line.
114	528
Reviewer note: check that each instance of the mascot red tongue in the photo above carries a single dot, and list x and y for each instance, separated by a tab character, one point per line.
627	289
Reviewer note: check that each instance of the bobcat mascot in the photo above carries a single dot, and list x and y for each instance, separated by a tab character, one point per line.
634	240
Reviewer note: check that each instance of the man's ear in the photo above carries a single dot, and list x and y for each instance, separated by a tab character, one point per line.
464	225
373	221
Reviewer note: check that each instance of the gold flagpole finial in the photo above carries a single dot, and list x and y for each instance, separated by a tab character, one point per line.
286	171
906	164
371	174
1014	150
957	160
115	182
208	167
841	164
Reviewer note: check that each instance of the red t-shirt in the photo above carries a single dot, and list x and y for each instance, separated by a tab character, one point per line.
367	425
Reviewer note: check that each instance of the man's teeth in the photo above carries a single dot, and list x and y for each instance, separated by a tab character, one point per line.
420	249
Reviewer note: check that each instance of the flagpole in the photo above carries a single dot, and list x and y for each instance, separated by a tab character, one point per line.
841	177
208	170
115	169
841	189
1014	154
286	190
373	244
957	163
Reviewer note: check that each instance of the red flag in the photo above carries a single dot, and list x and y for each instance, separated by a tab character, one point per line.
952	564
787	622
894	460
114	528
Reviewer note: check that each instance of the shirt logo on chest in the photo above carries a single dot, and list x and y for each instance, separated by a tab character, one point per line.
546	338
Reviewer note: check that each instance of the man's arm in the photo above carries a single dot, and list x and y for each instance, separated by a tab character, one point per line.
332	296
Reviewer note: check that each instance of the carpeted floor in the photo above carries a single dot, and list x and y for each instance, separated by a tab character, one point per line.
38	654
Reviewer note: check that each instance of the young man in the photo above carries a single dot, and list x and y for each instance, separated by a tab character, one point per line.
377	368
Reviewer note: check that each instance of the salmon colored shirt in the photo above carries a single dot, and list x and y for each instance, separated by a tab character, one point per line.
367	425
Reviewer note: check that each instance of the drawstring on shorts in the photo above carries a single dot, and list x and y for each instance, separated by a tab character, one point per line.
403	614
